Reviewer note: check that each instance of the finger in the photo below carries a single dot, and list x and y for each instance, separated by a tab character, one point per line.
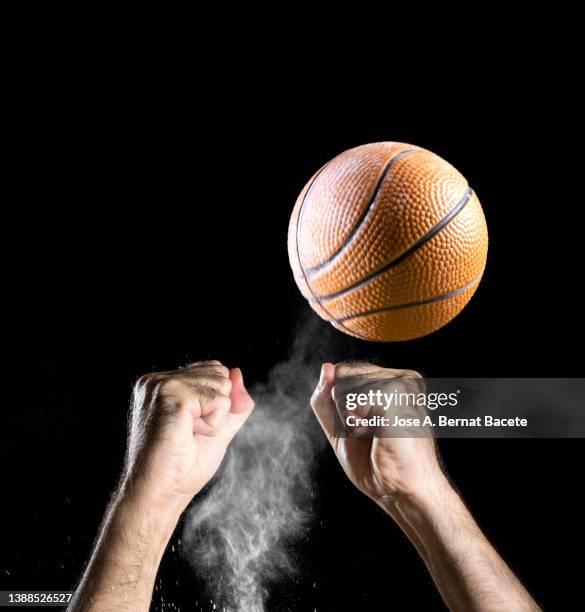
213	365
205	363
214	371
207	382
366	369
322	400
208	396
353	368
214	412
242	405
241	400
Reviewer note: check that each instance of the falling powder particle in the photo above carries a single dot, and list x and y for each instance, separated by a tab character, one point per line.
242	528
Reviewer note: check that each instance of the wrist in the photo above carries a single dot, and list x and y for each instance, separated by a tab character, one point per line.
151	518
432	515
422	499
166	501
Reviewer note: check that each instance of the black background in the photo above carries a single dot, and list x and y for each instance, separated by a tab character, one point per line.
151	230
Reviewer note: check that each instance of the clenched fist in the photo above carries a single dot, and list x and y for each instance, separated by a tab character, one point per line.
181	423
403	475
383	468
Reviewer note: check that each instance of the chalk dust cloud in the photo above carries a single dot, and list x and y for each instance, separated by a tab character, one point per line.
240	535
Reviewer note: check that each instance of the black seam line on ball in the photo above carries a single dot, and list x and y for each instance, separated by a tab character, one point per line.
417	245
297	230
373	199
437	298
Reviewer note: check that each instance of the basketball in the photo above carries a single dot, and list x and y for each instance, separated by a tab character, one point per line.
387	242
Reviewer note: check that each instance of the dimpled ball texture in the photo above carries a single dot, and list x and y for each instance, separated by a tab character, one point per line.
387	242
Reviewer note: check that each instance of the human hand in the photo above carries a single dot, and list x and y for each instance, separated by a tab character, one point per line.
403	475
181	423
384	468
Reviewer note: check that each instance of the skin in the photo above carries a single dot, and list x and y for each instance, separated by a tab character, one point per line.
181	424
404	477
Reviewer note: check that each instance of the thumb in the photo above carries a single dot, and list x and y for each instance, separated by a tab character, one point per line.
322	400
242	404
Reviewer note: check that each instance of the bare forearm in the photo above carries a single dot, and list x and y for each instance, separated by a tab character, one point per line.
122	570
468	572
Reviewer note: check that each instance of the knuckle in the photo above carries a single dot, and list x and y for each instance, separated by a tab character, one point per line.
214	384
349	368
221	369
212	365
223	403
225	386
342	370
204	363
411	374
169	385
217	376
391	373
204	390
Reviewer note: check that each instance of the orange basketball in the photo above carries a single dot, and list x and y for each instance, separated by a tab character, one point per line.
387	241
